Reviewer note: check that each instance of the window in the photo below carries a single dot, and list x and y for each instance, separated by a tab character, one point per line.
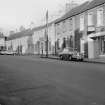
81	22
100	15
90	19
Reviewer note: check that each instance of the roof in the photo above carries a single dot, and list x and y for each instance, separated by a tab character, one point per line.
75	11
43	26
80	9
38	28
95	3
27	32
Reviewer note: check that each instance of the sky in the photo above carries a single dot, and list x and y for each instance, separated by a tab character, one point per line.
16	13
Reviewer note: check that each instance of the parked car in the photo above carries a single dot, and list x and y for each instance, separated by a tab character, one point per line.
2	52
8	52
70	54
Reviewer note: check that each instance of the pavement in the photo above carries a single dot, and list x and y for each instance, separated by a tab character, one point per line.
95	60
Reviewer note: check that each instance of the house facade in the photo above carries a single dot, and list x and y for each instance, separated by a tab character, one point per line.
96	39
64	33
20	42
82	28
33	41
39	39
71	29
87	29
2	43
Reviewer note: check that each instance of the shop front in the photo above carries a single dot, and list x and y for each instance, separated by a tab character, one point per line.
96	44
102	45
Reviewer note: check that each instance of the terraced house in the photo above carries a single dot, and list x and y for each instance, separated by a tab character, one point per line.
2	42
70	28
21	42
39	39
96	29
33	41
82	28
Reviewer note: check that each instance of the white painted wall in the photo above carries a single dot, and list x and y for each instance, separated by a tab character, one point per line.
91	53
17	42
8	44
82	42
2	42
39	35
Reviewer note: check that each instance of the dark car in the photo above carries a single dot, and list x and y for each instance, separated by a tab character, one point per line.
70	54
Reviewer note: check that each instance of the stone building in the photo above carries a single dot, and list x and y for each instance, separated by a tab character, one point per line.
70	28
2	42
39	39
96	29
20	42
83	28
87	28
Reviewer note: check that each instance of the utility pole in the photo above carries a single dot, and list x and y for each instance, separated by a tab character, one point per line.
47	33
5	39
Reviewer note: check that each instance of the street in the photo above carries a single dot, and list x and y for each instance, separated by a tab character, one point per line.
26	80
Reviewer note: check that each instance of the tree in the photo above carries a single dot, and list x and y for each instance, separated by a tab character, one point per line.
11	32
22	28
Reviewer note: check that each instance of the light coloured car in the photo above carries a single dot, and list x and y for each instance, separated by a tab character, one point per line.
70	54
8	52
3	52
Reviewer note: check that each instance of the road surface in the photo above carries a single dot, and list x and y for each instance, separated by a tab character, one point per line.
39	81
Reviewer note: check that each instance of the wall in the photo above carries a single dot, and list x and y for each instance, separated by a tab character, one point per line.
14	44
39	38
64	33
94	51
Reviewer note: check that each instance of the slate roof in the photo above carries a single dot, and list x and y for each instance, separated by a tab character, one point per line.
27	32
38	28
75	11
43	26
80	9
95	3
